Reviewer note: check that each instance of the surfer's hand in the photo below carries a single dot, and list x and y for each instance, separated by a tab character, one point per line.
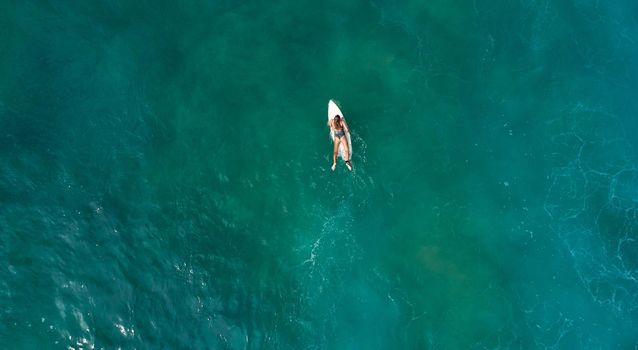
333	166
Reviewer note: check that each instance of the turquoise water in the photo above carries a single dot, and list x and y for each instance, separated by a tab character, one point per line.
165	175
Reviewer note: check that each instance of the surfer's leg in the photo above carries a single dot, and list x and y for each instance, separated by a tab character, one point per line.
334	154
346	152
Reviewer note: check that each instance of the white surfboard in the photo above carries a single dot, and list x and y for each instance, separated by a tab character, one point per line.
334	110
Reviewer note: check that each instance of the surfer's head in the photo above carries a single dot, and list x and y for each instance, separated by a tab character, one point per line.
337	117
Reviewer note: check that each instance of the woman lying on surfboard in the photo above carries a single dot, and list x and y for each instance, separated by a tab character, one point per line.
339	128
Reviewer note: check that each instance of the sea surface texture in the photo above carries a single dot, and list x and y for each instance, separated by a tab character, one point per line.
165	175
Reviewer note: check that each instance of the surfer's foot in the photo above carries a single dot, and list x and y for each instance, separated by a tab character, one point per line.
333	166
349	165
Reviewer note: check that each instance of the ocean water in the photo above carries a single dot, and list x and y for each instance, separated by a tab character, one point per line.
165	175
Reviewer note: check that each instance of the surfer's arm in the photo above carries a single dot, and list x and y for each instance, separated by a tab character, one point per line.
345	126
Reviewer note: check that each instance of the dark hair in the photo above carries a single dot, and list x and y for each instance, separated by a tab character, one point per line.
337	117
